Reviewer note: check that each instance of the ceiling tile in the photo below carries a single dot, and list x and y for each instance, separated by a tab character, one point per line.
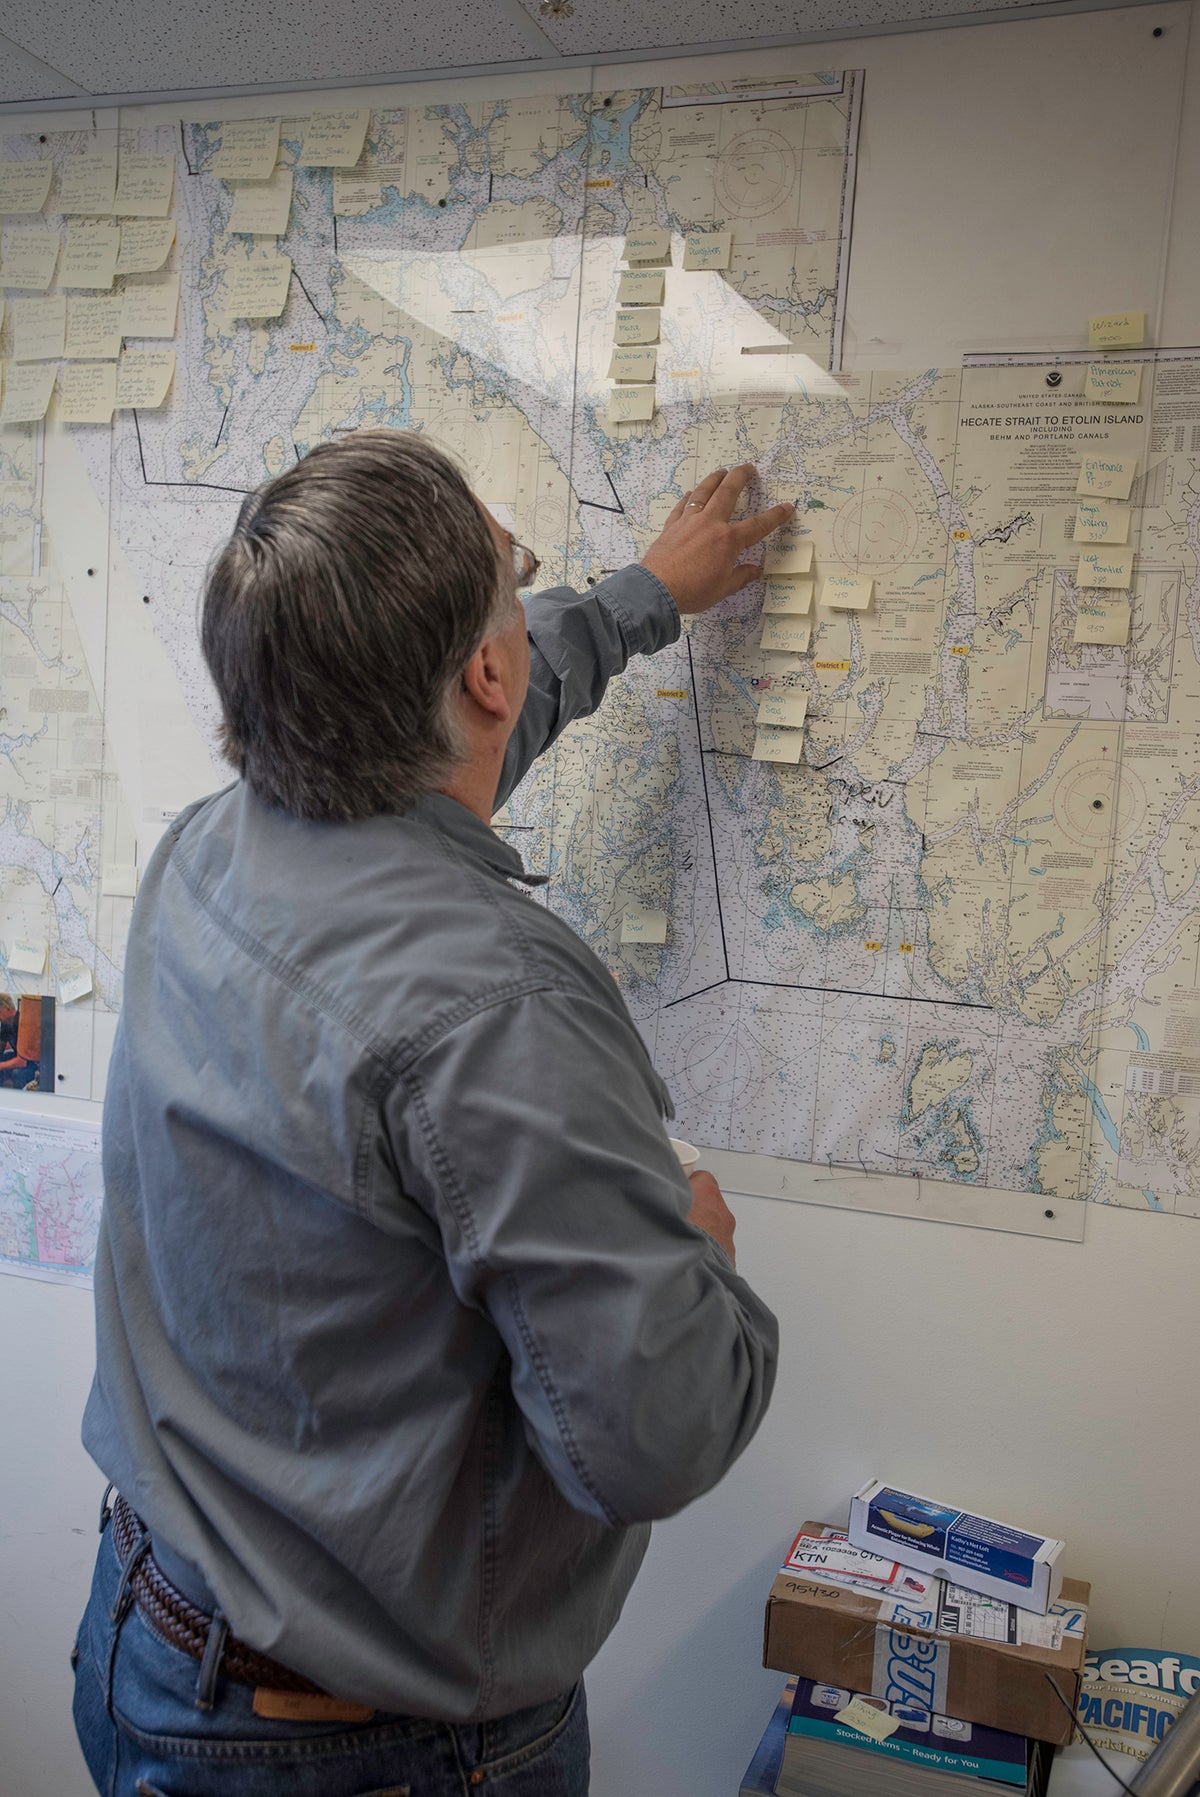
611	26
142	46
23	77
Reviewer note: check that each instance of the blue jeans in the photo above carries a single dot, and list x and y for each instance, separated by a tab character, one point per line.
143	1736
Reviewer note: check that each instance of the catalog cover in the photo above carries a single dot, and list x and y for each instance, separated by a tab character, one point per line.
923	1737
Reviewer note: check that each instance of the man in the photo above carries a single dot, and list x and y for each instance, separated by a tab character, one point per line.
408	1321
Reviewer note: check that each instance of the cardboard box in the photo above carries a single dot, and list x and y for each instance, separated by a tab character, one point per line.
910	1652
1008	1564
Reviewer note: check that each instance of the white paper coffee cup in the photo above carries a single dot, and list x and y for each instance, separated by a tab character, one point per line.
688	1155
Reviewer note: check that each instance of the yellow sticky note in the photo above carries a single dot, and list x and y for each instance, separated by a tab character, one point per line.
1105	567
27	955
143	377
633	362
334	139
640	925
847	592
89	182
865	1719
90	256
707	249
1099	521
30	258
356	192
248	150
88	393
1116	330
1103	621
39	328
1119	381
145	182
145	245
637	327
785	596
25	186
786	636
74	986
93	327
1106	477
119	879
788	553
649	244
151	305
27	390
641	287
771	743
786	708
262	208
258	289
630	405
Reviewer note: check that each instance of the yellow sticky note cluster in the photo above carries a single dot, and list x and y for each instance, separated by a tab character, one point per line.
641	289
1102	527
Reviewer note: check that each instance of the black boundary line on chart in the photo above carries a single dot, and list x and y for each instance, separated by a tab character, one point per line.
616	510
191	486
733	979
308	296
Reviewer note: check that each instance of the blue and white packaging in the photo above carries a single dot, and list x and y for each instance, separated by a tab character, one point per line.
973	1551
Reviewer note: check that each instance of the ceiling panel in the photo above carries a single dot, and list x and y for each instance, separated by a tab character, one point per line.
127	46
599	27
23	77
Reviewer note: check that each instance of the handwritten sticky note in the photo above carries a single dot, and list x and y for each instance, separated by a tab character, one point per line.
847	592
641	287
1105	567
1116	330
786	708
707	249
1119	381
630	404
648	244
633	362
27	955
263	207
119	879
258	289
1103	621
145	245
25	186
27	390
39	328
637	327
334	139
29	260
786	636
640	925
788	596
93	327
90	256
1098	521
89	182
145	182
771	743
143	377
151	305
1107	477
248	150
87	393
788	553
75	986
355	194
865	1719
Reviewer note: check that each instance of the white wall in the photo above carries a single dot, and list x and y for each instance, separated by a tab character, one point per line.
1013	179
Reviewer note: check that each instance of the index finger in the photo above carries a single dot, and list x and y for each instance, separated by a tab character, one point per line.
731	490
752	530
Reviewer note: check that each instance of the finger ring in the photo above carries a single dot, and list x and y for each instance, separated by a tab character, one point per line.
694	505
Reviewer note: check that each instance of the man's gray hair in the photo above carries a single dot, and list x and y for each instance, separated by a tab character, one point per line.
338	620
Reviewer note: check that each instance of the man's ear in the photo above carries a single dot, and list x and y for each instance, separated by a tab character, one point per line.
484	681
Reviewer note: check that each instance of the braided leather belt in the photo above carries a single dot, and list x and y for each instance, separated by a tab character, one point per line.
179	1622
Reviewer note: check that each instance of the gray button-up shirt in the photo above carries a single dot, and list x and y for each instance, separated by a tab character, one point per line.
403	1335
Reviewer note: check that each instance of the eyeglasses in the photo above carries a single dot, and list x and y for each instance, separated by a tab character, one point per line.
525	563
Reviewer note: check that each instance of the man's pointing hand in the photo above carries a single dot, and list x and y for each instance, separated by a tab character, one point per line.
696	555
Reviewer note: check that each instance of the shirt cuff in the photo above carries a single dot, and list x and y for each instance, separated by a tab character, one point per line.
648	616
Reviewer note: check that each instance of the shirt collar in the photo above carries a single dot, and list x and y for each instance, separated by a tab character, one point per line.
469	832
